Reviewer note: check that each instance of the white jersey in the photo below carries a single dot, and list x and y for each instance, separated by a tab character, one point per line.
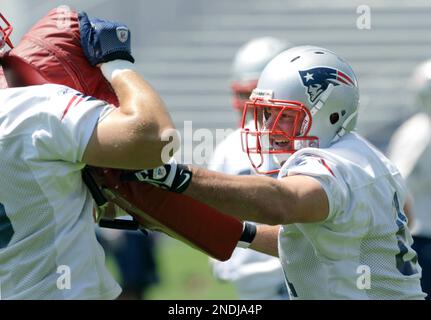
410	150
256	276
48	248
229	158
362	250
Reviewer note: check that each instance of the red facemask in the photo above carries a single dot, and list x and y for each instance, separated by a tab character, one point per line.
279	127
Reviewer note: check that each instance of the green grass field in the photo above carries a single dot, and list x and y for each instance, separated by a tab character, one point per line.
184	274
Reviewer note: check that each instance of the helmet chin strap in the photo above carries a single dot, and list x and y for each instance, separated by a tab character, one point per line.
267	163
344	127
281	158
319	104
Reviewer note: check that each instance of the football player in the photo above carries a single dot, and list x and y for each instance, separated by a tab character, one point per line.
410	150
48	133
256	276
339	200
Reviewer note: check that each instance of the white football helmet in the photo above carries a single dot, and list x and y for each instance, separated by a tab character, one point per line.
422	86
248	63
305	97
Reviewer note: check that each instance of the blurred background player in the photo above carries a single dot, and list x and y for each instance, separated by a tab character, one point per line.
135	257
410	149
254	275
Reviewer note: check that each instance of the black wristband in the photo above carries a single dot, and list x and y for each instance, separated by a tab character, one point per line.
182	179
248	235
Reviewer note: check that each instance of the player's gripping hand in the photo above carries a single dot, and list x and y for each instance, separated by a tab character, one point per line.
172	176
104	41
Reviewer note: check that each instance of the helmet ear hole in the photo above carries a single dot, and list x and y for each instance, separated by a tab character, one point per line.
334	117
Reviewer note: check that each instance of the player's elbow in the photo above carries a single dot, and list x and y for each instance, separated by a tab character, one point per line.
153	143
276	215
275	207
297	200
272	220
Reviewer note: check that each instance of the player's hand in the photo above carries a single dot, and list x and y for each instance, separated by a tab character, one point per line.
172	176
104	41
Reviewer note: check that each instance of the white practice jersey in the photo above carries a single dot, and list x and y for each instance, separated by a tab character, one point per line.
229	158
256	276
410	150
362	250
48	248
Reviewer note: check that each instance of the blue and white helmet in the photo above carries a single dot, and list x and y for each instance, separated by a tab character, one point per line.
314	87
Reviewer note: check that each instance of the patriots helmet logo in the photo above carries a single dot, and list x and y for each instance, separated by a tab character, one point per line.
317	80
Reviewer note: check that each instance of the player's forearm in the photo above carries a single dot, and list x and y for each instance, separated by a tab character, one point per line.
254	198
266	240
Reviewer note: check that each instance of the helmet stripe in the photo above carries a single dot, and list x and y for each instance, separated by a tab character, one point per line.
345	77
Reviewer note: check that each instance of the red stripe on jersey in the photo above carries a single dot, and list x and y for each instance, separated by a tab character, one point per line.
79	101
326	166
70	104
